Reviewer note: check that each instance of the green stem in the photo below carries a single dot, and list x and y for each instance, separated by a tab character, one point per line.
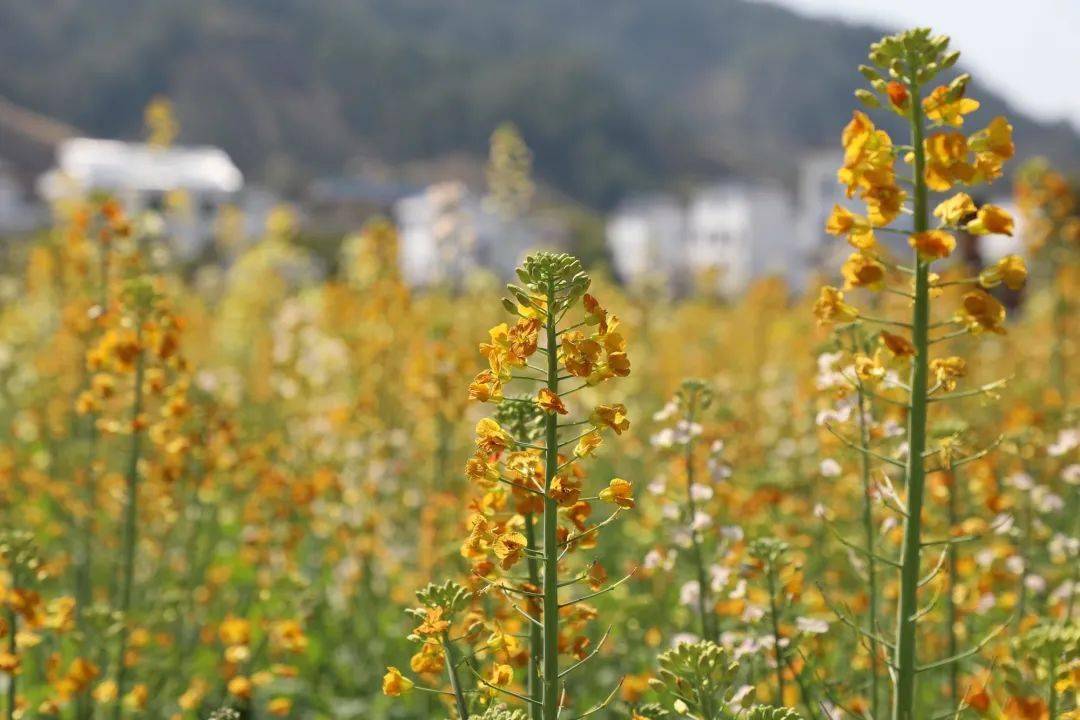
84	704
915	471
950	601
550	698
1053	709
871	568
774	616
1024	552
455	682
1061	331
130	527
707	630
536	638
12	619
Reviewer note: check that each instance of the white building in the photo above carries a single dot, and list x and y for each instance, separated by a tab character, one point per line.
744	232
646	237
818	192
739	230
16	214
192	183
446	233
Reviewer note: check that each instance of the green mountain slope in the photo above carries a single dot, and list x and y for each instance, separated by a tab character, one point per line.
613	95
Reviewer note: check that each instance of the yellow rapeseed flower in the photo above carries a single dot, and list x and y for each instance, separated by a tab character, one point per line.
501	675
491	439
508	547
831	308
947	370
550	402
394	684
279	707
869	369
991	220
947	161
618	492
981	311
898	345
241	687
613	416
955	210
862	271
856	228
433	623
944	111
933	244
1011	270
587	445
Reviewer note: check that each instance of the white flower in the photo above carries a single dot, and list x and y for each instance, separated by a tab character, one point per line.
663	439
690	593
1035	583
719	577
891	429
833	416
830	468
667	412
892	380
1071	474
752	613
812	626
718	470
1062	591
701	492
1003	524
733	533
1020	481
1062	547
659	559
1048	502
826	361
701	521
1067	440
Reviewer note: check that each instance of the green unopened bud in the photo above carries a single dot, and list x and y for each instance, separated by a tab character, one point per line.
957	88
927	73
867	98
960	83
869	73
949	60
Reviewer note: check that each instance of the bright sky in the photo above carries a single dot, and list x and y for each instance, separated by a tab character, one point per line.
1025	49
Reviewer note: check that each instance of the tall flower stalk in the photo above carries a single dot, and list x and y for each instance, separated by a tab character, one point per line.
940	158
19	553
141	298
692	399
527	468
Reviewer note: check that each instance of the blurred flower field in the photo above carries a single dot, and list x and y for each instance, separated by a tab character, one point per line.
223	496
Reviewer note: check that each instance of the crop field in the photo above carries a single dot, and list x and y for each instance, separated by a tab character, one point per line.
265	492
